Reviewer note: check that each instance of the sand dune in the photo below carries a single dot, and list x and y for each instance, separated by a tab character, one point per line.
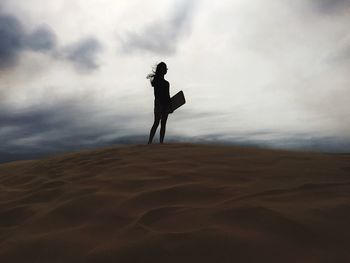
176	203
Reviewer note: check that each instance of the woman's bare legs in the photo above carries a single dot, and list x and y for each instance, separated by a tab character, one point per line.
163	126
157	117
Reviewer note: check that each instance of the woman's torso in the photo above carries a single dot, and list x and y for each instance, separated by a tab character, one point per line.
161	91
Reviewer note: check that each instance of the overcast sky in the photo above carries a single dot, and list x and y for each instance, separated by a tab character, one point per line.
264	72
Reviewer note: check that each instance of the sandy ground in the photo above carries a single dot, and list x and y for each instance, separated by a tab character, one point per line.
176	203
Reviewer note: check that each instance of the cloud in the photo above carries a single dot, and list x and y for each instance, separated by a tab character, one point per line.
11	37
330	6
71	125
41	39
163	35
341	55
59	127
14	39
83	53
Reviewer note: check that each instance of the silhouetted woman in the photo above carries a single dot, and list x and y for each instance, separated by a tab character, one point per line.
161	100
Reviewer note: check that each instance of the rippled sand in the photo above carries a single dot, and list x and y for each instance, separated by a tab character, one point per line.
176	203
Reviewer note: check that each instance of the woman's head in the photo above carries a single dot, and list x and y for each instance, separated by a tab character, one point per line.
160	70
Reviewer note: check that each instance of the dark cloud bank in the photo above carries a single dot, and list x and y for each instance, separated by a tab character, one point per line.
65	127
14	39
58	128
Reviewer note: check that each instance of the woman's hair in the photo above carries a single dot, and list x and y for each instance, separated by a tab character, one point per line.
157	71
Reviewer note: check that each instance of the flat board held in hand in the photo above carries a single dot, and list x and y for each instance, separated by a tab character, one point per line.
177	100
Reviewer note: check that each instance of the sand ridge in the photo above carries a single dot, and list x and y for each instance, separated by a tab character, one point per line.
176	203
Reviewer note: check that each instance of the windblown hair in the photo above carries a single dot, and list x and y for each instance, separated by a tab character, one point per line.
156	72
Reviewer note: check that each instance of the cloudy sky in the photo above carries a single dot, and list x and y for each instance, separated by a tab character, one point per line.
264	72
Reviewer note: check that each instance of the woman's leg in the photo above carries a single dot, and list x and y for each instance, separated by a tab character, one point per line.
163	126
157	117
